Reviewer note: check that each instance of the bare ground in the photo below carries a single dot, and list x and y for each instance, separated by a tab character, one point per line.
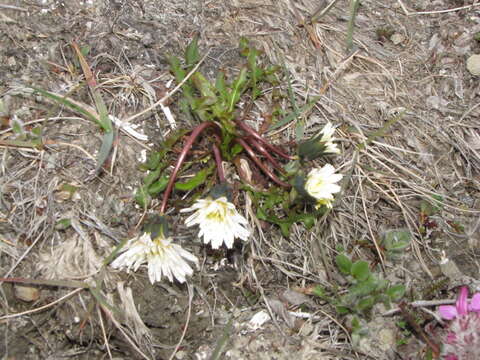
409	58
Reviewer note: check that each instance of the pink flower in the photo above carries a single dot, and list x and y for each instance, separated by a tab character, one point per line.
461	337
462	306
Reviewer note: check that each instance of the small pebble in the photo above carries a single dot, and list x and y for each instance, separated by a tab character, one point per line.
473	64
26	293
180	355
397	38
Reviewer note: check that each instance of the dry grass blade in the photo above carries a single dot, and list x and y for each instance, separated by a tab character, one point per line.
124	333
61	283
189	312
41	308
104	333
104	119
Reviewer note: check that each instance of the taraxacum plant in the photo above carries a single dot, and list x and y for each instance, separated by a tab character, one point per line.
281	193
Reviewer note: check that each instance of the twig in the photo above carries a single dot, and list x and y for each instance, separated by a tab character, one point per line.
24	254
104	333
185	327
11	316
421	303
169	94
321	12
377	247
433	12
90	156
11	7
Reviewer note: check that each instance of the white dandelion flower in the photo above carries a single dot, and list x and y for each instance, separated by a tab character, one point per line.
218	220
319	145
164	258
321	185
327	139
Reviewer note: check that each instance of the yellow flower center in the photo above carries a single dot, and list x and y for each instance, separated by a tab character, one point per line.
218	212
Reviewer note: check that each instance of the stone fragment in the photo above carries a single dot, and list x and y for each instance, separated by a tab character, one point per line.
473	64
26	293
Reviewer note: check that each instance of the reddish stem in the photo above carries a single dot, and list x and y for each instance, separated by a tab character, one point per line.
258	137
261	165
252	141
218	162
181	158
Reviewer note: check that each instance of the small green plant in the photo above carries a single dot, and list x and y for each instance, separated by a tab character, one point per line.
366	289
405	332
395	242
278	191
428	208
26	137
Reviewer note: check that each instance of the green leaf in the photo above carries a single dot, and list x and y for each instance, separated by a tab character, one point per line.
17	127
180	75
104	119
205	88
318	291
221	86
397	240
69	104
244	46
354	4
396	292
37	131
255	72
152	162
151	177
382	131
365	304
235	150
158	186
142	198
176	68
342	310
238	87
360	270
284	225
199	178
63	224
305	108
429	209
355	323
105	149
344	264
364	287
382	284
191	53
85	50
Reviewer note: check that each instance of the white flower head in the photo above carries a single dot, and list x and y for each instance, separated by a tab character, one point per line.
319	145
164	258
218	220
327	139
321	185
